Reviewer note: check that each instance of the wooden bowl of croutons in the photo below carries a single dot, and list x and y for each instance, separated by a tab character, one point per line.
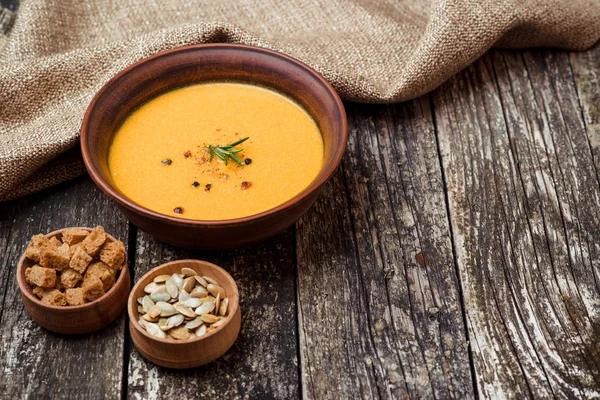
74	280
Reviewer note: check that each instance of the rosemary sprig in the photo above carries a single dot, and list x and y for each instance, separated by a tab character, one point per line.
226	152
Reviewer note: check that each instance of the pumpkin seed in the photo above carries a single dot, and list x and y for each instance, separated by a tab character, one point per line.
207	299
160	296
209	318
149	288
155	330
160	289
201	331
148	318
166	309
199	292
147	303
161	278
201	280
183	296
154	311
175	320
172	288
162	321
142	323
180	333
205	308
140	299
192	302
217	303
208	279
193	324
214	289
181	309
224	306
178	280
188	284
141	310
165	328
219	322
188	271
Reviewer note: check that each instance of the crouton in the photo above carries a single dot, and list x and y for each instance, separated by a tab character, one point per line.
94	241
64	249
113	254
74	235
28	272
54	258
75	296
54	242
80	260
39	276
54	298
73	248
101	271
40	291
69	278
34	249
92	288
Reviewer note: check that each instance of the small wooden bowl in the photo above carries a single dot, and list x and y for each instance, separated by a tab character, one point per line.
189	65
75	320
190	353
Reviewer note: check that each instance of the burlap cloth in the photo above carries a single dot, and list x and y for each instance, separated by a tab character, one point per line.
55	54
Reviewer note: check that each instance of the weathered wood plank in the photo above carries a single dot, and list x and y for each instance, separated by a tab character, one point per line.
586	74
263	361
377	247
35	363
336	346
572	165
520	180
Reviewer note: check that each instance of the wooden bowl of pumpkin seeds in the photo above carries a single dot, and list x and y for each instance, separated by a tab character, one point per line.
184	314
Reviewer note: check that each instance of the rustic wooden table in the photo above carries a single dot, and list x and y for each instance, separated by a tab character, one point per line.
455	254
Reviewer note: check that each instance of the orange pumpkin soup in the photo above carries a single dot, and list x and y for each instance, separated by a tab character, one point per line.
215	151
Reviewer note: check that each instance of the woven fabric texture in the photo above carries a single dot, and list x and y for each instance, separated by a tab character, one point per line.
55	55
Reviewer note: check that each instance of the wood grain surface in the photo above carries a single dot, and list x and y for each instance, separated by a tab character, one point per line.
455	254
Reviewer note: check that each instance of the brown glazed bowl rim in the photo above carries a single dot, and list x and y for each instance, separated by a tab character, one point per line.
25	288
131	301
321	178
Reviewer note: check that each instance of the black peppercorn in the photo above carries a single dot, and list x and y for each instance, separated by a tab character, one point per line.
195	184
207	187
245	185
178	210
166	161
248	161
